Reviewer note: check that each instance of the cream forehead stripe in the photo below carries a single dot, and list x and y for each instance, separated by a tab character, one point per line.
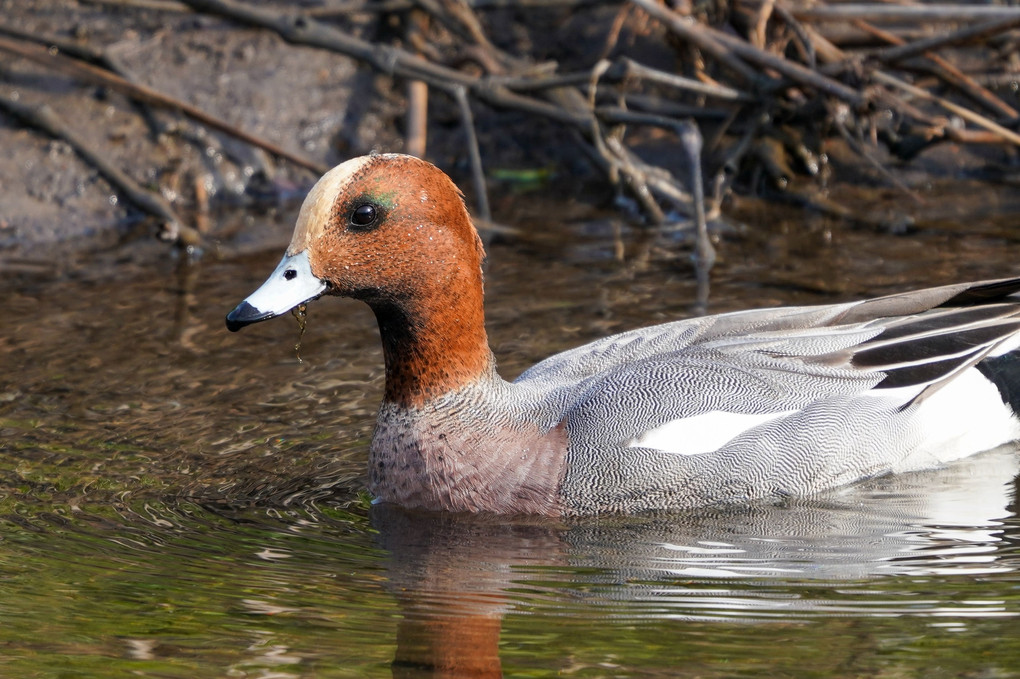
319	201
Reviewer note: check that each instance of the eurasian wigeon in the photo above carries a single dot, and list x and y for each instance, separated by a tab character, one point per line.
731	408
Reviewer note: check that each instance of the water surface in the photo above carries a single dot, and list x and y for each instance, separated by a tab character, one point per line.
179	501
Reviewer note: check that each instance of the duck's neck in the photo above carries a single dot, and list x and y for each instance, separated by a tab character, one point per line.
432	345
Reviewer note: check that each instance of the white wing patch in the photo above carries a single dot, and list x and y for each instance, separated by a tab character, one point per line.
964	417
703	433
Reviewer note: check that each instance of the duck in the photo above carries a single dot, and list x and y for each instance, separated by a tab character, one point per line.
762	405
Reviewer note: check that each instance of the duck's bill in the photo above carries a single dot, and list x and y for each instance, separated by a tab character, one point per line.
291	284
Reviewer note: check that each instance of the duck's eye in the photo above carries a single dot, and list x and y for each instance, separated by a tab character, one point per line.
364	215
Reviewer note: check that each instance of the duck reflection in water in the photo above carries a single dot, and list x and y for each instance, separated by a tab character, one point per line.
457	576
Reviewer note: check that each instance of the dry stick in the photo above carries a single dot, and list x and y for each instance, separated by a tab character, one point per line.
463	13
623	69
647	103
617	115
98	76
704	253
384	6
707	41
76	50
201	205
643	179
495	60
531	83
432	8
798	30
45	119
417	117
964	113
612	152
627	68
972	33
972	136
477	174
158	5
948	72
615	165
920	13
1005	80
658	179
689	30
613	35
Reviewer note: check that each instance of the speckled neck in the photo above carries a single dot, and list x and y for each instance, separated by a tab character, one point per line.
477	449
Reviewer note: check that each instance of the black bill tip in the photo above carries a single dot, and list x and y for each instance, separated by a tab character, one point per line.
245	314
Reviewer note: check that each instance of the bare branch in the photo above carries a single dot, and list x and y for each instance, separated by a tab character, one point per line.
919	13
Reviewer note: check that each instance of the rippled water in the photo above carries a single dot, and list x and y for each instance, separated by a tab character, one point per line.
178	501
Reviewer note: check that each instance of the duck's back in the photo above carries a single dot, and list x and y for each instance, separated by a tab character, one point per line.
779	402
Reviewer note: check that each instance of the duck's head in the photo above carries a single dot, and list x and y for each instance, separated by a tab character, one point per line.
389	229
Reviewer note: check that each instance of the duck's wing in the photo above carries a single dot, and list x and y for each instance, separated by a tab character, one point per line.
903	339
927	350
781	360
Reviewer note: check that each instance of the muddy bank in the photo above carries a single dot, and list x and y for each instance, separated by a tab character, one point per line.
312	102
298	98
326	107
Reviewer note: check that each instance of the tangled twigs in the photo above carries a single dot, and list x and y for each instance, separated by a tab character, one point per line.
559	104
838	60
949	73
304	30
965	113
689	29
772	88
762	75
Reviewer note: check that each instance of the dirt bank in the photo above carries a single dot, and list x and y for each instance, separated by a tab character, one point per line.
298	98
325	107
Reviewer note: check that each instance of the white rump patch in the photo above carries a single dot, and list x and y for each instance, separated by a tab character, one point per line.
703	433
